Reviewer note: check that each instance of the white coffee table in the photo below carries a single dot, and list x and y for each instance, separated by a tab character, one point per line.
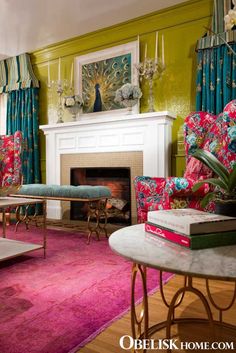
11	248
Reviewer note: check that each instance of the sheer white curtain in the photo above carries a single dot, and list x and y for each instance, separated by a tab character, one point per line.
3	113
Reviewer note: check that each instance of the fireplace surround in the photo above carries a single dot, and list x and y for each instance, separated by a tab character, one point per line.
141	142
132	160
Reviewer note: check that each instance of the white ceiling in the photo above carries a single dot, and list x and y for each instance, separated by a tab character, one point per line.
26	25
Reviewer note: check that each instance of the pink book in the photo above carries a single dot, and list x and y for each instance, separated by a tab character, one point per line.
168	234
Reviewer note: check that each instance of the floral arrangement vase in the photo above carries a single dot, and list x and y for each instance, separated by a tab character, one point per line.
73	104
128	95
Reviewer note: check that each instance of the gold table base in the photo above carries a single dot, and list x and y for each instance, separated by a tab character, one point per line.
140	323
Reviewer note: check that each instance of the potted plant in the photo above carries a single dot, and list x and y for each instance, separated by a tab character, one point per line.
224	193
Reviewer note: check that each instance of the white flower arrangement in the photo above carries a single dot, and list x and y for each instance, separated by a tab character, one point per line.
128	95
73	104
71	101
230	18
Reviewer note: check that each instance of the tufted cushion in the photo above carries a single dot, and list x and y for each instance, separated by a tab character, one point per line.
66	191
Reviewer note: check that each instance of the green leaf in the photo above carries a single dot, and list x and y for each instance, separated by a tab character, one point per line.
212	181
197	185
213	163
206	199
232	180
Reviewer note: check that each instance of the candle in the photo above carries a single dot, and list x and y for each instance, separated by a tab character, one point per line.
145	53
138	47
71	74
156	48
59	69
163	51
49	79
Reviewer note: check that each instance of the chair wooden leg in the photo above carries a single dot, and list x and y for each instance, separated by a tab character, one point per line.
8	218
5	222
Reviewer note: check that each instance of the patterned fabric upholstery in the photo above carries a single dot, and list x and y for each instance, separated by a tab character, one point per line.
10	160
216	134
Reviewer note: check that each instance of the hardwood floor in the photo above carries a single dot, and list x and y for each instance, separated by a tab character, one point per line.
108	340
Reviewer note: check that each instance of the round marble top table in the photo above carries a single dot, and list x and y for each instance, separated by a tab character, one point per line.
143	248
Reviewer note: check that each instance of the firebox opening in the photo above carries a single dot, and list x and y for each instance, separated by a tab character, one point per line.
117	179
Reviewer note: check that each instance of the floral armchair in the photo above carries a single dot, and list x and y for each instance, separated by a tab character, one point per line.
10	162
216	134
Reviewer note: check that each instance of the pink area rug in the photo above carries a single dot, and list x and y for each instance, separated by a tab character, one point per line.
58	304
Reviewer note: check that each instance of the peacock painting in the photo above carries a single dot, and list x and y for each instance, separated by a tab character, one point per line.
101	79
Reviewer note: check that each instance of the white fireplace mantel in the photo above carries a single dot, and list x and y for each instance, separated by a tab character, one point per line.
147	132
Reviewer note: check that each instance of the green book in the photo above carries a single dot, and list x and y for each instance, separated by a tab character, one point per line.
194	242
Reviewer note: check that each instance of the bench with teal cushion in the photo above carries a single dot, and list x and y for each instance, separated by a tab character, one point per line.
95	197
65	191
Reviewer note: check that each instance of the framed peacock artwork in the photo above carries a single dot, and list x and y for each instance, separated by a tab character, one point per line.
98	75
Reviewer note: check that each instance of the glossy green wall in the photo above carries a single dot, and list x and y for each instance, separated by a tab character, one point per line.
181	25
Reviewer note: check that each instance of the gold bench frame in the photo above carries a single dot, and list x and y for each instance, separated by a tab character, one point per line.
96	209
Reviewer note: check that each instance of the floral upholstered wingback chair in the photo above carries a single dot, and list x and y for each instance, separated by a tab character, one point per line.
216	134
10	163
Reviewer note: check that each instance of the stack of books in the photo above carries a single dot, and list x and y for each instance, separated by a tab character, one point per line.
192	228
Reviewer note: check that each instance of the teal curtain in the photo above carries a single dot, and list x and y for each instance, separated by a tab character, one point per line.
216	78
22	114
